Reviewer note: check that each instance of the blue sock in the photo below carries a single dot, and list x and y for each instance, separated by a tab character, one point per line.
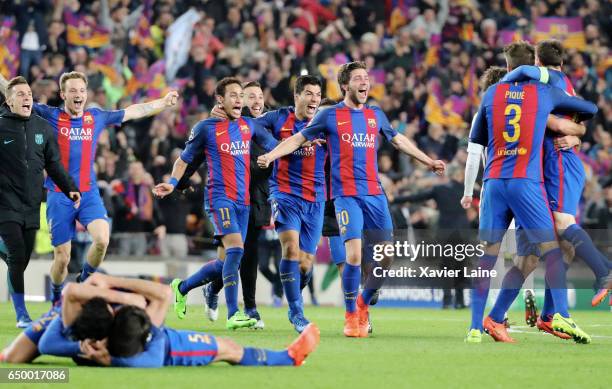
56	292
367	295
206	274
351	276
586	250
548	309
19	305
230	278
480	291
511	286
261	357
87	271
305	279
556	278
290	278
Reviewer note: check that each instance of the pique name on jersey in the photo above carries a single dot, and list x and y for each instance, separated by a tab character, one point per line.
239	147
360	140
77	133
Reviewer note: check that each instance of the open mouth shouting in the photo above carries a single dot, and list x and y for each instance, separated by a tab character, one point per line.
256	109
237	110
311	109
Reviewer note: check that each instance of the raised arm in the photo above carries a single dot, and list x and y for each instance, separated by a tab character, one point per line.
404	145
527	72
139	111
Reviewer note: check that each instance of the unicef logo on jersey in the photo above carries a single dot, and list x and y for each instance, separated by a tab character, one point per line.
360	140
237	148
38	138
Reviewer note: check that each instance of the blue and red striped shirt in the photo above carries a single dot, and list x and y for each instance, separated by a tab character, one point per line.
511	123
77	139
227	148
352	142
302	172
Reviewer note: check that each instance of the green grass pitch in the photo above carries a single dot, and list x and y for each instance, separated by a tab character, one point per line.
409	348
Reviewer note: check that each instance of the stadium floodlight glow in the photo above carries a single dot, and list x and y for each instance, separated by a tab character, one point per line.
303	72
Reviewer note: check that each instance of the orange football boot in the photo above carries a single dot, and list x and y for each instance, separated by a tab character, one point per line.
497	331
305	344
362	312
351	324
546	326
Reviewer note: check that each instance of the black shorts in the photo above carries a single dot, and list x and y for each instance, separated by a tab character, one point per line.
330	224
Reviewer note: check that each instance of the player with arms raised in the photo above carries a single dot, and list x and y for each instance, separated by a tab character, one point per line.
351	129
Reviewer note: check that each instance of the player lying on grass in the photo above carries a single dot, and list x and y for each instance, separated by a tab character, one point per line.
82	313
139	339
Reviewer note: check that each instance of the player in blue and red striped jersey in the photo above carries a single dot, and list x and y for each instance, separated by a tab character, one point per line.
564	179
138	337
78	130
511	122
351	129
226	144
297	194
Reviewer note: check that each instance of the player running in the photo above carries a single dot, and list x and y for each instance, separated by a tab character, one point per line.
511	122
77	130
226	144
351	128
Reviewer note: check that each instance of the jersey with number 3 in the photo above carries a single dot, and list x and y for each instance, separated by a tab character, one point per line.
511	123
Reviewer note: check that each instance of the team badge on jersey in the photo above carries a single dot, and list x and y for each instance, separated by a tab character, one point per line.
87	119
244	129
372	122
38	138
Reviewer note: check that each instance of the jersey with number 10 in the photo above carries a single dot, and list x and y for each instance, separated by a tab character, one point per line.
352	142
511	123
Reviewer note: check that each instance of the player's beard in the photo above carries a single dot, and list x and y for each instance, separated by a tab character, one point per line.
354	98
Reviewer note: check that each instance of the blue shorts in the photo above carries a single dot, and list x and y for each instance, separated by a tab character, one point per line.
524	248
364	216
294	213
62	216
564	180
337	249
37	329
189	348
523	199
228	217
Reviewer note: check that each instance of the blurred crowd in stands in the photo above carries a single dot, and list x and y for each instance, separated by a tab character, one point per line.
424	58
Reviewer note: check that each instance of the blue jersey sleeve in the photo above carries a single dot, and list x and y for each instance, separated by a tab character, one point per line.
565	104
262	136
318	125
267	120
55	341
196	143
113	118
479	133
43	110
384	125
527	73
152	356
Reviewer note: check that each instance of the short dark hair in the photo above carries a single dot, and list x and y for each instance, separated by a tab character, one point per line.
252	84
492	76
344	74
94	321
550	52
302	81
129	332
19	80
519	53
327	101
221	85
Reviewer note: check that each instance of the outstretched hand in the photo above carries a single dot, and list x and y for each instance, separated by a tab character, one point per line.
171	98
162	190
438	167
